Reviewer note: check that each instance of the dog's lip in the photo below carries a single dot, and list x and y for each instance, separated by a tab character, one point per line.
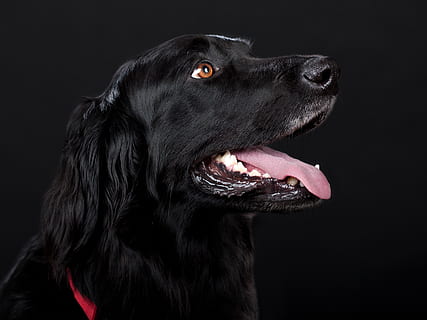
311	122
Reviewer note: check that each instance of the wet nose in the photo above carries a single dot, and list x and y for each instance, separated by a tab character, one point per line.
320	73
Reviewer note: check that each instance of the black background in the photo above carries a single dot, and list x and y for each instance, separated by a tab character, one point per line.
365	250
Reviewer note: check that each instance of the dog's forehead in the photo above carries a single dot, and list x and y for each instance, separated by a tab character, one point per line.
225	38
210	42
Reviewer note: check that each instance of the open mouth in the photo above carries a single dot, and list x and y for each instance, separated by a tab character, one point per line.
263	174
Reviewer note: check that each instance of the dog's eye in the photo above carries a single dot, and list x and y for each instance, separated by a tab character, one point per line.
203	70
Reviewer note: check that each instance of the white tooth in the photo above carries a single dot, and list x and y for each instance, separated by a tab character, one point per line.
255	173
229	160
301	184
266	175
218	158
239	167
317	166
224	156
292	181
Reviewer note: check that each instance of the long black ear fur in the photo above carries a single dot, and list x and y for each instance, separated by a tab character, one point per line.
97	171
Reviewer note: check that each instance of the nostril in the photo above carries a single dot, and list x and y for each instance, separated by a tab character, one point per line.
317	76
320	73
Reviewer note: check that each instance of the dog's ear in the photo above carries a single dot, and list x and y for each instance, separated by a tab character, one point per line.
118	84
97	175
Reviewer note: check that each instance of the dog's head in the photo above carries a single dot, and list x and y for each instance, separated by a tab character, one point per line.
209	108
190	119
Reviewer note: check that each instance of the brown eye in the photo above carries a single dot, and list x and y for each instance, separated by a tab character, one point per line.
203	70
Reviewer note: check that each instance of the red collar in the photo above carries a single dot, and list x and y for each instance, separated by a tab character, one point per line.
88	306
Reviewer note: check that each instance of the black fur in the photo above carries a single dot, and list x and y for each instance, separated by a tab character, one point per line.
123	214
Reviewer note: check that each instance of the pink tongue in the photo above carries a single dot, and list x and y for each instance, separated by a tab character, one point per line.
279	165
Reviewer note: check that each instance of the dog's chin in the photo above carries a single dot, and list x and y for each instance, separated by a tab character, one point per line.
262	179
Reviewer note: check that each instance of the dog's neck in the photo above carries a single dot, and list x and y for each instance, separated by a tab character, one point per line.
201	268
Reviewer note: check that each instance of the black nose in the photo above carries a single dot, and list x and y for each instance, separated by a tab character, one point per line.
320	73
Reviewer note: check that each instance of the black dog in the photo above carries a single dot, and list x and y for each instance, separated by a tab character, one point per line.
150	215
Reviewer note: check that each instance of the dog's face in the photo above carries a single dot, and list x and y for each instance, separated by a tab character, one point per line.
209	108
181	133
